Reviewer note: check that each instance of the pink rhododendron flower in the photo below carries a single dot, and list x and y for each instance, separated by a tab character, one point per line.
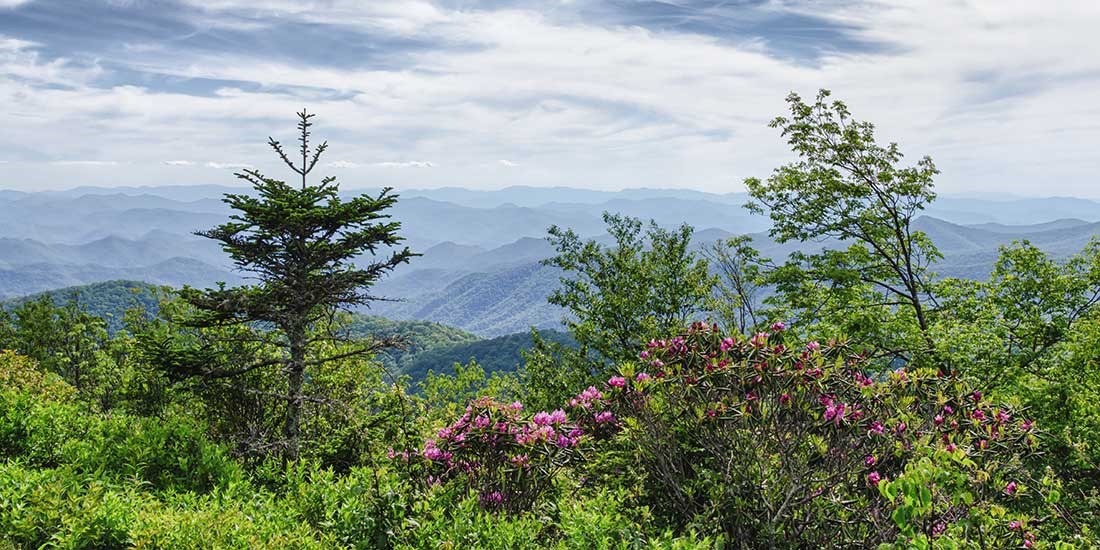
1014	525
813	346
492	498
759	339
557	417
604	417
644	354
864	381
431	452
642	377
616	381
727	344
541	418
1010	489
869	461
565	441
785	398
874	478
835	413
482	421
948	410
937	420
877	427
778	326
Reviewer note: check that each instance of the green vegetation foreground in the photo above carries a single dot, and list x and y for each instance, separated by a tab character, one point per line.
848	398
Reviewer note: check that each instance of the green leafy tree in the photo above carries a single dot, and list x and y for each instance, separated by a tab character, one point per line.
847	187
644	285
62	338
300	244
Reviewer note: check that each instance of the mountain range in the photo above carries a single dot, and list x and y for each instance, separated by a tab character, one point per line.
480	269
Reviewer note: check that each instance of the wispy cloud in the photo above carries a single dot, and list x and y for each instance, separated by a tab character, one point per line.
179	163
229	165
998	93
404	164
85	163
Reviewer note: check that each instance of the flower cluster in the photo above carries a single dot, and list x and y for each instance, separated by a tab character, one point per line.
509	456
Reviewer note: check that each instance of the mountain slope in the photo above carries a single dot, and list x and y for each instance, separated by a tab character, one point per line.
488	304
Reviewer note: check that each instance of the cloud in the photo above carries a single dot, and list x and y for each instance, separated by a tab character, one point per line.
85	163
508	163
406	164
4	4
229	165
179	163
400	17
998	93
387	164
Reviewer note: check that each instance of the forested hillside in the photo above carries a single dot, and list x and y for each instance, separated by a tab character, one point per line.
108	300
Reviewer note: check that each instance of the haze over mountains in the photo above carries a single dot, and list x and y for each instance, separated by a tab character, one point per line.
480	270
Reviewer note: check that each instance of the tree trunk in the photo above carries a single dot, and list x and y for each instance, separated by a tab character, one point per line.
295	374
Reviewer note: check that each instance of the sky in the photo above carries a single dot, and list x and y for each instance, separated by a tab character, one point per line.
599	94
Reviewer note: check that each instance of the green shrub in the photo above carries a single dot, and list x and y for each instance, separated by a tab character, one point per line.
62	509
167	453
361	509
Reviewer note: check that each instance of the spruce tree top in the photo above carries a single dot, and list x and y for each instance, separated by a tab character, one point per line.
300	245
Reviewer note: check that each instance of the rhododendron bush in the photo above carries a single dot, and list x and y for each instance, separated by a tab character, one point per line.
778	442
508	457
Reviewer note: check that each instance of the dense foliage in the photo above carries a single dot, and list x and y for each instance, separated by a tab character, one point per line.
847	398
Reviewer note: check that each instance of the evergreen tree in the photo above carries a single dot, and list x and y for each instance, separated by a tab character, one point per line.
300	245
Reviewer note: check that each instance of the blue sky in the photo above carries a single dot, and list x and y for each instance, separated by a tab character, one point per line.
484	94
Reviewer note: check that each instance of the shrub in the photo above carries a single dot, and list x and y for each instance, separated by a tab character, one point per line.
507	457
167	453
62	509
362	509
42	426
776	444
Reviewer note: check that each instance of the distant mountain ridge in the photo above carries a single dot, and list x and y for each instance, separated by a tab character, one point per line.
480	269
427	346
